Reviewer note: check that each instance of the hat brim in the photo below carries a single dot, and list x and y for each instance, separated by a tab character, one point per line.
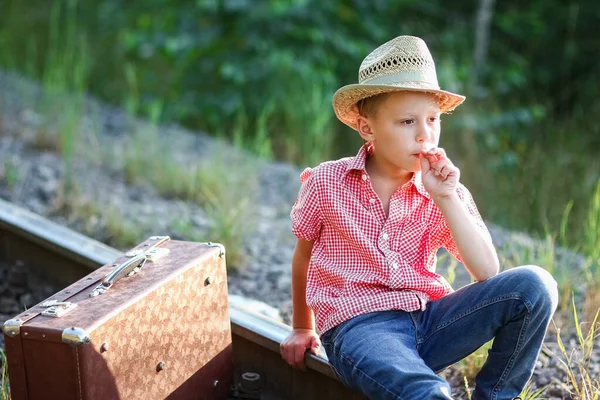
346	97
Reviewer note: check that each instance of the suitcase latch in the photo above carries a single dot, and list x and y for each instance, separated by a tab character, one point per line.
57	309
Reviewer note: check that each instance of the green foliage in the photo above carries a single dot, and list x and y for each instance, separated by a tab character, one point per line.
530	393
120	232
9	172
262	73
591	231
582	381
472	364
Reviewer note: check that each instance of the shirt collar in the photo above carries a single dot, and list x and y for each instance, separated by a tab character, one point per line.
418	182
358	163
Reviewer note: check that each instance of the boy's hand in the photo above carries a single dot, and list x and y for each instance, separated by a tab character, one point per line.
295	345
439	175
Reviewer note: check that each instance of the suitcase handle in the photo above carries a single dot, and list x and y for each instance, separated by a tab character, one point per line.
132	266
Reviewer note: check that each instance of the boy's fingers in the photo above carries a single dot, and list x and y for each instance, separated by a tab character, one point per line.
435	155
437	151
444	167
445	171
299	358
440	164
286	355
315	346
433	158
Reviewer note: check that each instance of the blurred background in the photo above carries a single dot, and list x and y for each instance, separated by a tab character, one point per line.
262	73
123	119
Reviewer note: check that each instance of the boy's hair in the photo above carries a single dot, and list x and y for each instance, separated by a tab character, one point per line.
368	107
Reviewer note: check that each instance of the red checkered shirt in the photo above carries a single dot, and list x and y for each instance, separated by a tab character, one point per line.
362	261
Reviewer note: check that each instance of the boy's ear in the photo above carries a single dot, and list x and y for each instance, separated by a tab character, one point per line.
364	129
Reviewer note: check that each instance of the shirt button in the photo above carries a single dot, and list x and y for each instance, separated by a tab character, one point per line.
395	265
385	236
364	177
372	201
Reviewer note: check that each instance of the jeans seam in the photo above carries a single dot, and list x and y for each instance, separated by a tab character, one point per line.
518	348
326	344
476	308
337	373
339	376
496	300
412	318
346	359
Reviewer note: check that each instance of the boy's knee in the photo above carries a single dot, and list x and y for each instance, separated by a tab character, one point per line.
540	284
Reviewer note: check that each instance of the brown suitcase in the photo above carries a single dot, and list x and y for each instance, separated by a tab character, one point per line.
162	332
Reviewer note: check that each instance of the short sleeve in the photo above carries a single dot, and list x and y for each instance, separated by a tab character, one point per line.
306	212
467	199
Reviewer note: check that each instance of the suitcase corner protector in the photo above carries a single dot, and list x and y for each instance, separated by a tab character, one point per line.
12	327
75	336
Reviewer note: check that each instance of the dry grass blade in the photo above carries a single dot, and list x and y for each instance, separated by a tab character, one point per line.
577	363
529	393
4	389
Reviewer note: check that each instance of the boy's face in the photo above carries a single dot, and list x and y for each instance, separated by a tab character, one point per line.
405	124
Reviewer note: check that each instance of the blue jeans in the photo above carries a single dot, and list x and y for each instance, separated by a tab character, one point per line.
397	354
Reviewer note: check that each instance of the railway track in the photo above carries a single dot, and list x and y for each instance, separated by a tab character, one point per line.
61	256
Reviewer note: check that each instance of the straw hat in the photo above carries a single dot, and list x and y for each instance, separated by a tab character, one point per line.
403	63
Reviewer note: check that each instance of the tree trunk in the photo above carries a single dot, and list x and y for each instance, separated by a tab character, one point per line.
482	37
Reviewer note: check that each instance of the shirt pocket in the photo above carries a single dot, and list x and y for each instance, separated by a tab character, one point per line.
413	242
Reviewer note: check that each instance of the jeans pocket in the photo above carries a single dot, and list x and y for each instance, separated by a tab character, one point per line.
414	319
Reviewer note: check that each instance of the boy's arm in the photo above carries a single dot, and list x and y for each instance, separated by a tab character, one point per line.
440	178
477	252
303	336
303	317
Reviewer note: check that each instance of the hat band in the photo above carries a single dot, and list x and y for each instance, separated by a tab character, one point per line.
399	77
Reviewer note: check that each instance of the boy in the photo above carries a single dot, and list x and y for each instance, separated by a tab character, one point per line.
368	230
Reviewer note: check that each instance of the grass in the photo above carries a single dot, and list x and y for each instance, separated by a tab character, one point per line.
120	232
4	388
530	393
521	184
223	192
591	300
591	231
232	221
305	134
472	364
543	253
65	78
450	272
9	172
296	122
590	247
298	126
577	361
259	142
